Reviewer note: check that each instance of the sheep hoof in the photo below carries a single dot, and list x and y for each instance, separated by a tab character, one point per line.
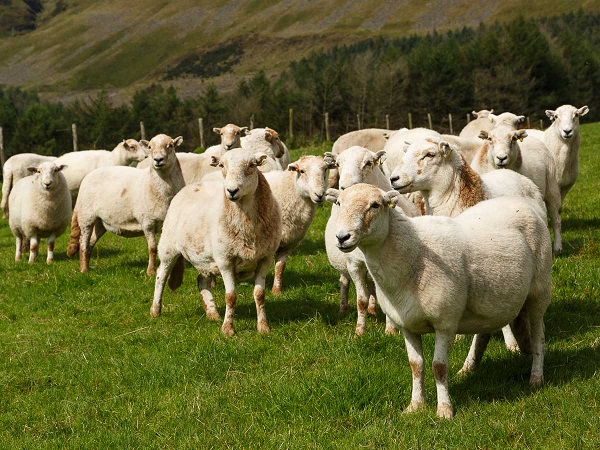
459	337
276	290
151	272
360	330
263	327
415	406
536	380
344	310
372	310
155	310
466	369
227	329
391	331
557	249
445	411
49	260
513	348
213	314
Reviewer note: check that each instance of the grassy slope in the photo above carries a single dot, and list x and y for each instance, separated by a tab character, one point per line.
101	44
83	365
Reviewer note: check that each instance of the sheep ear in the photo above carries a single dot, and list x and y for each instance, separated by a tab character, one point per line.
391	198
61	167
268	136
520	119
247	131
214	161
551	114
520	135
380	157
260	158
330	160
475	114
32	169
244	130
145	143
386	136
178	141
293	167
332	195
583	111
125	144
483	134
217	130
493	118
446	149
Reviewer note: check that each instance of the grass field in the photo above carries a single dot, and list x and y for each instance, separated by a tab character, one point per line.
82	364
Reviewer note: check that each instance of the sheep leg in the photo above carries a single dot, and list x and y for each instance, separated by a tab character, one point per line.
228	275
537	350
554	206
97	233
414	350
358	273
372	309
208	301
259	295
50	256
84	248
151	239
164	269
34	246
509	339
344	288
280	262
443	341
19	249
478	346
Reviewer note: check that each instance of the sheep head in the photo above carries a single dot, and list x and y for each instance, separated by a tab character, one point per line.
566	119
135	151
231	135
240	171
357	164
161	149
46	174
311	177
503	149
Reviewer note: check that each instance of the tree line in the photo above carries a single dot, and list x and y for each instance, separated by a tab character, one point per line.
523	66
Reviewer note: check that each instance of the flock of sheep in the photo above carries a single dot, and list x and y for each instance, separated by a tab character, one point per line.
422	223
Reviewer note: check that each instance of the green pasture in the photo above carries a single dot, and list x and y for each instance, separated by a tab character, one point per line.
82	364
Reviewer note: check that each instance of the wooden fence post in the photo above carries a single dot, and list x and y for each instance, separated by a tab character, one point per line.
74	131
291	125
409	121
468	118
252	122
201	131
142	131
541	124
2	156
528	123
327	135
450	121
358	121
387	121
429	120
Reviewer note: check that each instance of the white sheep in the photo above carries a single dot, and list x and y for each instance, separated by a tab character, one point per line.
357	165
563	139
481	122
231	136
231	228
127	201
505	148
398	142
267	140
449	186
297	191
473	273
15	168
40	207
81	163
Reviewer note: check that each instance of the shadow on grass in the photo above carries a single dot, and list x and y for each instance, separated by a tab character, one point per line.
573	224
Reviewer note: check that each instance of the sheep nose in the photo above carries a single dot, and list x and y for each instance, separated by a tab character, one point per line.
502	158
158	160
228	146
232	192
394	178
342	187
319	197
568	132
342	237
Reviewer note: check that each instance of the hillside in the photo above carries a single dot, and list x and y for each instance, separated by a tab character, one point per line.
81	46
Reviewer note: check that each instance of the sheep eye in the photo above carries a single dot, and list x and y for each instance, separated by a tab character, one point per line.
221	165
337	203
302	171
375	205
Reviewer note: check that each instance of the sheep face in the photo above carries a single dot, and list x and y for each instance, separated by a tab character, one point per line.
240	172
136	151
482	113
507	119
311	177
231	135
46	175
363	214
161	150
420	164
356	164
566	118
503	148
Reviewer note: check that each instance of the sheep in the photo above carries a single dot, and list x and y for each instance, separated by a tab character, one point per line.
231	136
357	165
15	168
481	122
562	139
297	191
40	207
231	228
79	164
449	186
505	148
127	201
373	139
267	140
470	274
397	143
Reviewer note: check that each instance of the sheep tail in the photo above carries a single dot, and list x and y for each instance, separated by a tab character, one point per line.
521	330
73	247
176	275
6	187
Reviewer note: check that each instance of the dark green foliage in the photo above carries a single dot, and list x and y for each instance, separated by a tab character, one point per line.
209	64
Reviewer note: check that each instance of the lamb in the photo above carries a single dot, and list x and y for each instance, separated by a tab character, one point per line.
297	191
231	136
15	168
127	201
505	148
470	274
357	165
562	139
267	140
449	186
79	164
40	207
231	228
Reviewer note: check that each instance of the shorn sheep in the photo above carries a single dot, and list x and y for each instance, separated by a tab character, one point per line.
298	191
40	207
481	122
15	168
563	139
127	201
357	165
79	164
231	136
267	140
230	227
473	273
505	148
